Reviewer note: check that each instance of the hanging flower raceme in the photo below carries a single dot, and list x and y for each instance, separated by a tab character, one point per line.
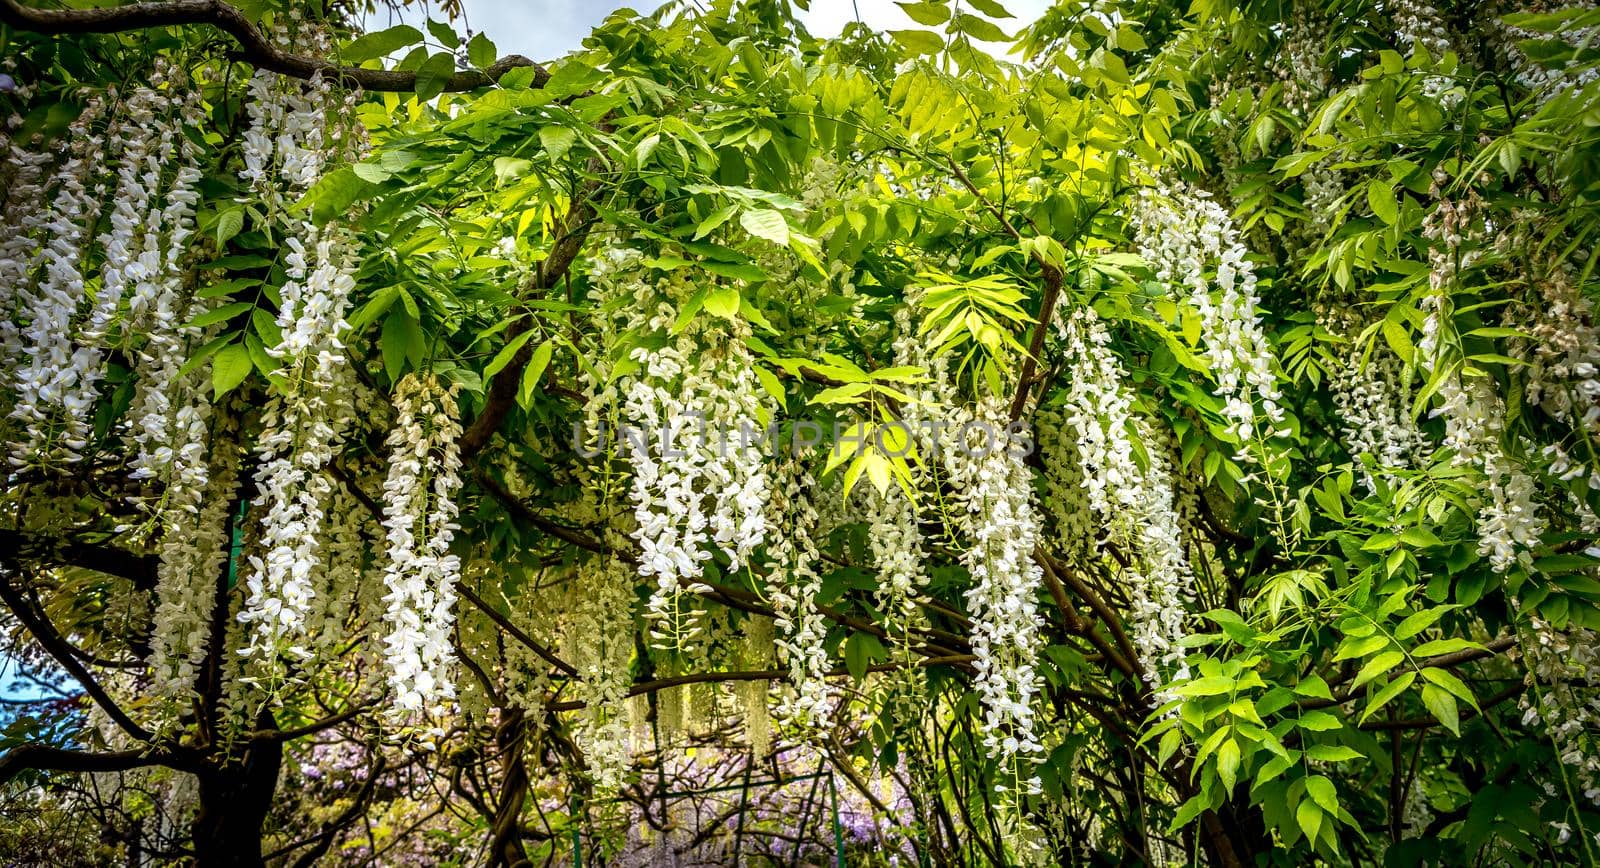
55	377
1509	522
897	555
793	585
1185	235
193	554
419	516
171	401
692	433
1375	410
998	520
1561	667
1135	504
310	408
23	173
598	640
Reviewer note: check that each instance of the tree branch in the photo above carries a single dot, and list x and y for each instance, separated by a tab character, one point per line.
255	48
54	759
136	568
44	632
569	239
515	631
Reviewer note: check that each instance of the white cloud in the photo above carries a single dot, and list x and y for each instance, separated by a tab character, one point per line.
547	29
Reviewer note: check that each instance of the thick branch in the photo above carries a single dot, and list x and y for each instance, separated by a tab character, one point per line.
255	48
56	551
45	758
569	239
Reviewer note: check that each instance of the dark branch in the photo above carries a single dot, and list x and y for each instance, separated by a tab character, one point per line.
516	632
44	632
255	48
58	551
54	759
569	239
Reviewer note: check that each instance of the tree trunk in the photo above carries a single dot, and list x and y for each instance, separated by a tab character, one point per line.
235	797
506	850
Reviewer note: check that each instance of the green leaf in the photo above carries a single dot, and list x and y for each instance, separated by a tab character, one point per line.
859	652
724	302
928	14
1309	818
1444	646
481	51
400	333
507	352
1209	686
1332	753
766	223
990	8
444	33
511	168
229	368
1442	706
1377	666
1323	793
1418	621
1352	647
1313	685
716	218
371	172
1380	198
984	30
533	373
335	193
1228	764
1448	681
557	140
221	314
229	223
918	41
434	74
1318	721
1187	812
1388	692
374	45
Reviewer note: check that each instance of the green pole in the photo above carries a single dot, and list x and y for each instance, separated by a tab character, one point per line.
236	544
838	829
577	840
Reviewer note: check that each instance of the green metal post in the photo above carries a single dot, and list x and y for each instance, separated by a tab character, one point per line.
577	839
838	829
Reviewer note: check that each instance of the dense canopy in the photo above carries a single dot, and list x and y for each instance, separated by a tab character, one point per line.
1160	432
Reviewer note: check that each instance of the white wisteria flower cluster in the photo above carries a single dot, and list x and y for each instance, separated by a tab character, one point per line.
792	587
1510	522
692	416
420	520
23	211
1561	663
598	641
997	518
1135	504
55	377
1563	373
193	551
1375	412
1185	235
898	556
310	407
